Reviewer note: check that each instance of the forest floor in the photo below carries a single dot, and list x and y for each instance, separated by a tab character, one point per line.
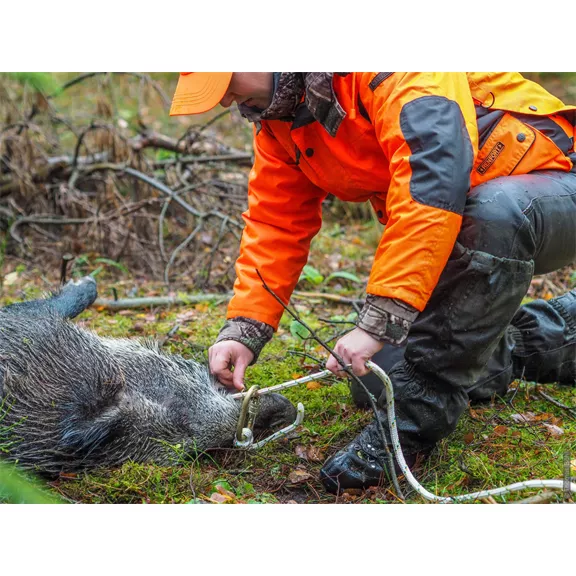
491	447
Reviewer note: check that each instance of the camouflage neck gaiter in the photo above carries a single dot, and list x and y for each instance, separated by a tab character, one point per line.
289	87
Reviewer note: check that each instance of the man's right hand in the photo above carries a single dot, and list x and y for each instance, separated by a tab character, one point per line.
228	354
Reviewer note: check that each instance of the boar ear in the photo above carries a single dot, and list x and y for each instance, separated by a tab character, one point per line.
92	434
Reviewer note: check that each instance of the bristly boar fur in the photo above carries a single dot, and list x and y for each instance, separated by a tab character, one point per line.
72	400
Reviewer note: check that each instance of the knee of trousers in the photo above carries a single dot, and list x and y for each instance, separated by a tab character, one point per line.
494	220
426	410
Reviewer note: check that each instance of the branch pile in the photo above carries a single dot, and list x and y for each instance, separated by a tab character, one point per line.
77	177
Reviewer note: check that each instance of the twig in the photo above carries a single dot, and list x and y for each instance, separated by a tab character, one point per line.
126	303
571	411
332	297
388	469
180	247
237	157
542	498
45	219
83	77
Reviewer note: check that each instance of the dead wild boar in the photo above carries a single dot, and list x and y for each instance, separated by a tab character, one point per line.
72	400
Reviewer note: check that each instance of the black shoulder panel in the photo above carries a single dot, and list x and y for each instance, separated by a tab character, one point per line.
442	154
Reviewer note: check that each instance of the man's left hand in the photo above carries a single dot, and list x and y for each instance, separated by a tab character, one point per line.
355	348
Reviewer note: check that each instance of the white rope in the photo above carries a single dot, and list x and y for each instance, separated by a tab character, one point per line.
526	485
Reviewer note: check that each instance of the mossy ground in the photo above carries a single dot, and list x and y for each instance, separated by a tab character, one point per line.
489	448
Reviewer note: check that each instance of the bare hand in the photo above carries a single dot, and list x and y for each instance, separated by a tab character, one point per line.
226	355
355	348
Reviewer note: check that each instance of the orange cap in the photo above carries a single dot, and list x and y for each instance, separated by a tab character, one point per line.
199	92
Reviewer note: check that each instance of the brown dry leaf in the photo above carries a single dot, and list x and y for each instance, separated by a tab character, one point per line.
474	415
202	307
300	451
354	491
469	438
299	476
225	492
500	430
295	376
218	498
544	416
125	312
553	430
315	454
185	316
138	327
150	317
313	385
347	497
516	434
100	308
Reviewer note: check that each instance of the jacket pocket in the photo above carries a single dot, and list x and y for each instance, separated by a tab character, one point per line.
508	143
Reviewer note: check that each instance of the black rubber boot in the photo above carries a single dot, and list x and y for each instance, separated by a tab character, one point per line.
546	341
363	463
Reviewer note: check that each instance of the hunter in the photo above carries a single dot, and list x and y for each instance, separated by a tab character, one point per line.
474	177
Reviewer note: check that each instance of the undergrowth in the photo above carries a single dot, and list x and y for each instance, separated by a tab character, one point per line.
491	447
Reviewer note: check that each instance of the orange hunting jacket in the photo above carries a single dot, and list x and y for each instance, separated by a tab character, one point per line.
417	144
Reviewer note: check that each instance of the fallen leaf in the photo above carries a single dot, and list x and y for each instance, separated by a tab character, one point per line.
218	498
347	497
500	430
225	492
525	417
185	316
553	430
315	454
313	385
300	451
9	279
126	312
544	416
138	327
354	491
474	415
295	376
112	321
299	476
469	438
150	317
202	307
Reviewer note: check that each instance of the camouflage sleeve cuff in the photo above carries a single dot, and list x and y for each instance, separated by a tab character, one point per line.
387	319
252	333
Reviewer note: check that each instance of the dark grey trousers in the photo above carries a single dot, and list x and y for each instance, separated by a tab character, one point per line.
474	337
